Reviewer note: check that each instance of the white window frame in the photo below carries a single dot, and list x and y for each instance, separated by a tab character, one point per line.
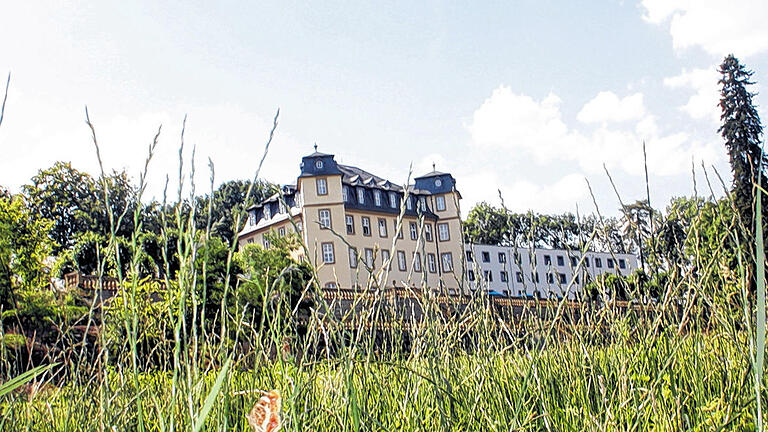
428	232
401	264
382	228
366	223
431	263
352	257
392	200
385	255
322	186
440	202
360	195
349	221
417	262
369	261
409	203
446	260
414	230
377	198
443	234
329	257
345	193
321	218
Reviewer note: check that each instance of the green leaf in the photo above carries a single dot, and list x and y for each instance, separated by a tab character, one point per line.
22	379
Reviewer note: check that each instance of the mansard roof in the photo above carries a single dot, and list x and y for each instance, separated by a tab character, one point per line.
354	176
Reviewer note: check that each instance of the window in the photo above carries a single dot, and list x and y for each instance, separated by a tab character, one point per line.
447	261
502	257
369	258
550	278
281	231
409	203
610	262
345	193
471	275
350	220
586	261
486	256
401	260
598	262
428	232
266	244
250	241
399	233
330	285
322	186
488	276
382	228
299	226
328	256
353	257
392	200
251	218
267	212
442	232
385	258
325	218
519	277
560	260
366	221
469	256
504	276
561	277
622	263
319	164
431	263
576	279
417	262
361	195
574	261
440	202
377	198
281	207
547	260
534	277
422	204
414	231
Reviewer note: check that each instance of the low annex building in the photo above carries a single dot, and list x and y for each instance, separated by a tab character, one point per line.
348	218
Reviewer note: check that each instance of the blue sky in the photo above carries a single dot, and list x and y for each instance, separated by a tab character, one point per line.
530	98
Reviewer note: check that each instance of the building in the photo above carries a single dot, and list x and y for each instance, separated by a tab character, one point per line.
350	221
539	273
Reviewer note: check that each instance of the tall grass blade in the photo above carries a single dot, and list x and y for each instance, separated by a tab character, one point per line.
20	380
212	395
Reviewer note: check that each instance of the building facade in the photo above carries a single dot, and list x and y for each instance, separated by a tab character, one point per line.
539	273
350	221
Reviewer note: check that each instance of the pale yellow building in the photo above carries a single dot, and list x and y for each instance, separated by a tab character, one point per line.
348	218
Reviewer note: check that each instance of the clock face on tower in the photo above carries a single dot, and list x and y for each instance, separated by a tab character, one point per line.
438	182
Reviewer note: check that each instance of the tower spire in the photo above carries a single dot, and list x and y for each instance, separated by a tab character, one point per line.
315	146
433	167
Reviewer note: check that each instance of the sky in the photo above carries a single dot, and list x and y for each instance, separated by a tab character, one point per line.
530	101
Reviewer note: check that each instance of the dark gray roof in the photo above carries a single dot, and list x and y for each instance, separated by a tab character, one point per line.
355	176
431	174
318	154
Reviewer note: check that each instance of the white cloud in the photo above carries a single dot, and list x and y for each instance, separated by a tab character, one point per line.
703	104
521	126
719	27
607	107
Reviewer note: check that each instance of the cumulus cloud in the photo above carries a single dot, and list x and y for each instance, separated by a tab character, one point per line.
703	104
607	107
718	27
518	123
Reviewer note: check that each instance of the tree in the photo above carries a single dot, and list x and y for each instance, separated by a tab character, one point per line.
228	199
636	228
486	224
24	246
742	131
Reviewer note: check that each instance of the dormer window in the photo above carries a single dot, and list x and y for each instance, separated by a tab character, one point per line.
267	212
422	204
361	195
377	198
392	200
409	204
319	164
345	193
252	218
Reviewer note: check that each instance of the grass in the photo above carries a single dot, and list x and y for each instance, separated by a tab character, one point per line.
690	363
